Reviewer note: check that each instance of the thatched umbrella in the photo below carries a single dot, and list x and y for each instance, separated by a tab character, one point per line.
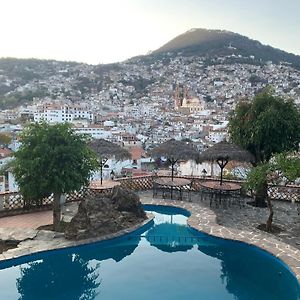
175	150
106	149
223	152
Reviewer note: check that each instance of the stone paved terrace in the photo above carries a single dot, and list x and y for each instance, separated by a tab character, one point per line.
249	217
233	223
240	224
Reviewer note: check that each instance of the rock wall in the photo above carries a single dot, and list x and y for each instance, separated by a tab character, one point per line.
100	215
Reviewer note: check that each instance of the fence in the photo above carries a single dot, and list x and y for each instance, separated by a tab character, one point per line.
13	202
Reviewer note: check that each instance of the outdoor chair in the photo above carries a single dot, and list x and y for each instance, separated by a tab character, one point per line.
189	189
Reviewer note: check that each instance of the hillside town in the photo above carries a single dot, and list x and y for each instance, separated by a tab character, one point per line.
139	104
149	150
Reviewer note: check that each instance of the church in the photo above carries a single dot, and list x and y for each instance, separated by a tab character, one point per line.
186	104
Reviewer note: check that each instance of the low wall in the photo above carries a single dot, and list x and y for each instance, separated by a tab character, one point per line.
12	203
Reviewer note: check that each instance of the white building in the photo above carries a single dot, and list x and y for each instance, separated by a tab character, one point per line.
112	165
2	184
217	136
59	113
12	184
95	131
190	168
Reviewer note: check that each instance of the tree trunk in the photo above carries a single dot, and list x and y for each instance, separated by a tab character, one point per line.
56	211
261	195
270	219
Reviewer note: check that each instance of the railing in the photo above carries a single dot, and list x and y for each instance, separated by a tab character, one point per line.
288	192
142	183
13	202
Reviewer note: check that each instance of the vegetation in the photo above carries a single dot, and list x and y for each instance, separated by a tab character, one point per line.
265	126
139	83
28	69
52	159
5	139
15	99
281	168
217	42
6	167
21	72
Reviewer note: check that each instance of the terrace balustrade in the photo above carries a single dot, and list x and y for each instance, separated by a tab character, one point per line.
13	202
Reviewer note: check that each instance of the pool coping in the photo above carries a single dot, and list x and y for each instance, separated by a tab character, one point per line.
44	241
202	219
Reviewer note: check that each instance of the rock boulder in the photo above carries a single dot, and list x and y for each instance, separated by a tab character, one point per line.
100	215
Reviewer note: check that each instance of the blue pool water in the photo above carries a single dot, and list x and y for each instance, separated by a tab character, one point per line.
164	260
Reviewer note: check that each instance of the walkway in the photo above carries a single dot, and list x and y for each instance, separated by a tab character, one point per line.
31	220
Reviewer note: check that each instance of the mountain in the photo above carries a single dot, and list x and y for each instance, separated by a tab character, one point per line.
184	60
214	43
22	80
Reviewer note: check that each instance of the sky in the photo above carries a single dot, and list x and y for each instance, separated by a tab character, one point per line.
106	31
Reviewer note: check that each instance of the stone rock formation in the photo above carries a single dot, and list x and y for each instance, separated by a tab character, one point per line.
104	214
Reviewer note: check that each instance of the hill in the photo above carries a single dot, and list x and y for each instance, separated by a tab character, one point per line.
21	80
210	43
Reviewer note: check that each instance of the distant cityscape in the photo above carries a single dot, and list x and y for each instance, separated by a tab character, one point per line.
139	104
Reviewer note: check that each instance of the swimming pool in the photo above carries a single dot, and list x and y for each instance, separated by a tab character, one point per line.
163	260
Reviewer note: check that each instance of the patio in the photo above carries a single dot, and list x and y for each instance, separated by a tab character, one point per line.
248	217
235	216
235	223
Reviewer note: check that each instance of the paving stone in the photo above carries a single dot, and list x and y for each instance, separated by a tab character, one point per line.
17	234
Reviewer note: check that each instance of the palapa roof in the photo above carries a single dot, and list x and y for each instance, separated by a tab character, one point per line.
108	149
226	150
176	150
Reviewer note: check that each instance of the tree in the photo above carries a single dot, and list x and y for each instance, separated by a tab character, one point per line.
52	159
5	139
282	167
265	126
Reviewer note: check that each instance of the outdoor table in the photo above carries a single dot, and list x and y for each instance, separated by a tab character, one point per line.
167	184
104	188
226	188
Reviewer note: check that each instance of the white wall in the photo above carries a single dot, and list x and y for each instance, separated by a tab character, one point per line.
2	184
12	185
191	168
113	165
96	133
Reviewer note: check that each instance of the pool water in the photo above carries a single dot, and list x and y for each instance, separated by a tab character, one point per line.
164	260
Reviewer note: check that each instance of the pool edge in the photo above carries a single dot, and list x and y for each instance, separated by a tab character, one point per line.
25	250
203	219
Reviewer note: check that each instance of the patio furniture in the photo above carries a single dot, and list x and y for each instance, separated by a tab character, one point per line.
104	187
169	186
218	192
